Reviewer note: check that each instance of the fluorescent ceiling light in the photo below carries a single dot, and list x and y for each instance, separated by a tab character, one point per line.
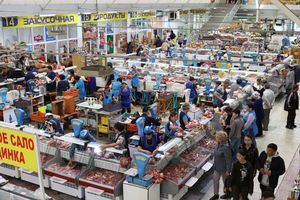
47	15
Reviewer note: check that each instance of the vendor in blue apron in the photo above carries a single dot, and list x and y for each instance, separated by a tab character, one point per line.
116	87
106	96
149	142
52	124
120	140
125	98
250	127
134	81
217	100
184	119
172	127
79	84
191	85
219	97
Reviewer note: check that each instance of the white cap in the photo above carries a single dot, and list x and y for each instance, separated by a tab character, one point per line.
48	114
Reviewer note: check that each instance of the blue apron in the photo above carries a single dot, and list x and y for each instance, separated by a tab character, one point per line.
168	132
107	99
116	88
190	85
151	147
134	80
125	97
252	130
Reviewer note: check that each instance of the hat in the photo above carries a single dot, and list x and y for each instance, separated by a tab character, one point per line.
48	114
148	130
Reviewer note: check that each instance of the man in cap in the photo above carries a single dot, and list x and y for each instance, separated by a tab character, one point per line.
52	124
149	142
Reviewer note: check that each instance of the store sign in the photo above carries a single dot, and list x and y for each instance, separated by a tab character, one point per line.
193	12
142	15
35	21
104	17
17	148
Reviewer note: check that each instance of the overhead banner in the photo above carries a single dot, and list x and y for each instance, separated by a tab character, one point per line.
104	17
142	15
35	21
17	148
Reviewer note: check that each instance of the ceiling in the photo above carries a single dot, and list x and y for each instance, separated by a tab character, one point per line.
38	7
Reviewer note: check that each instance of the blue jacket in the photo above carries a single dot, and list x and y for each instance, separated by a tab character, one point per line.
134	79
125	97
252	130
80	86
107	99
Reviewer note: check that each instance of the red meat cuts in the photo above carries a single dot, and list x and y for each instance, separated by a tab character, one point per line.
208	143
45	158
175	172
55	143
194	156
64	169
158	177
195	124
105	177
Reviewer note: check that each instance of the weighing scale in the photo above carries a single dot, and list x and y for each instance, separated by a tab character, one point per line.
141	161
20	114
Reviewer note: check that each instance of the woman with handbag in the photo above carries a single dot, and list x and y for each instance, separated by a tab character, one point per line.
241	177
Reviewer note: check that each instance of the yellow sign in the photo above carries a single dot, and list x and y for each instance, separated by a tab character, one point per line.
35	21
104	17
17	148
142	15
193	12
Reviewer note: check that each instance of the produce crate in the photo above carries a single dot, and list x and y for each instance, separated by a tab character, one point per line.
115	190
58	107
63	186
38	117
69	104
9	170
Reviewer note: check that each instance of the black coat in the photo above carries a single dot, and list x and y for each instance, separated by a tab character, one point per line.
252	155
277	168
237	178
292	102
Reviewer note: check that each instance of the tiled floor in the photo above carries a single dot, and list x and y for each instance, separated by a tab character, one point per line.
287	141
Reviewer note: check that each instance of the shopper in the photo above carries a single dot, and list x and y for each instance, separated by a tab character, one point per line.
226	119
290	80
291	105
149	142
259	111
71	76
217	100
250	127
185	40
106	96
242	177
172	127
158	42
222	162
134	81
51	85
268	98
120	140
251	151
192	86
111	77
165	46
125	98
184	119
149	121
235	133
79	84
270	166
62	85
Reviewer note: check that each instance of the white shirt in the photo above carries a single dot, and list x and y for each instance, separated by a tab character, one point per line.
268	99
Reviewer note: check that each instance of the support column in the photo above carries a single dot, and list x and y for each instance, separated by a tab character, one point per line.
79	32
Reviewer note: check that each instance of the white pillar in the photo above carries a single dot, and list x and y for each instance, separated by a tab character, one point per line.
79	32
257	15
1	34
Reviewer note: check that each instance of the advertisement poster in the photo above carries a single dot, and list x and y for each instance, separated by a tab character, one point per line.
49	37
102	40
110	44
17	148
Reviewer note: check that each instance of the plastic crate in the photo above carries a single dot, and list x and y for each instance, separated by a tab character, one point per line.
38	117
112	107
103	129
104	120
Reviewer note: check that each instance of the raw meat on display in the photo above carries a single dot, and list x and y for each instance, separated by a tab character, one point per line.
158	177
208	114
195	124
105	177
64	169
55	143
45	158
175	172
194	156
208	143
